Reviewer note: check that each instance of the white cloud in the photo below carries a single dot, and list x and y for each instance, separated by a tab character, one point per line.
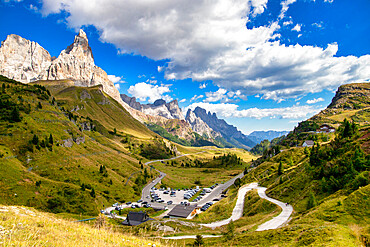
160	68
34	8
114	78
328	1
208	40
284	7
196	97
297	28
202	85
117	86
286	23
319	25
314	101
231	110
219	95
182	101
259	6
144	91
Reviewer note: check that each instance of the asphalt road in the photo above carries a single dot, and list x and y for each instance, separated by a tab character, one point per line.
145	193
238	209
279	220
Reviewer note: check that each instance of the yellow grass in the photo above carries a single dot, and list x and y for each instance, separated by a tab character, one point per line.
20	226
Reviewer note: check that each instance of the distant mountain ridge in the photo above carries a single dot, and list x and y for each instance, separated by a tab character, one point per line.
258	136
160	107
229	132
206	125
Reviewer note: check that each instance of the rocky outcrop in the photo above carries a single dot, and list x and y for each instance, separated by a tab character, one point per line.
199	126
27	61
229	132
169	110
23	60
351	96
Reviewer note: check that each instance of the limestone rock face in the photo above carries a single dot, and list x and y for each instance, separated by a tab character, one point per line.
23	60
169	110
27	61
199	126
229	132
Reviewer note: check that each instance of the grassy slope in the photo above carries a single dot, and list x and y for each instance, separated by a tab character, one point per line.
27	227
62	170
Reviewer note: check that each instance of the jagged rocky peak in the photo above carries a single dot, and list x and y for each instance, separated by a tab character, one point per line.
159	102
199	126
23	60
160	107
26	61
229	132
80	45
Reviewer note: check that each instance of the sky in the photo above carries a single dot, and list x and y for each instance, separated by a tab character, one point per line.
258	64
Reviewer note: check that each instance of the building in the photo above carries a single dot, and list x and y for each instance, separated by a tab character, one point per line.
308	143
325	128
136	218
181	211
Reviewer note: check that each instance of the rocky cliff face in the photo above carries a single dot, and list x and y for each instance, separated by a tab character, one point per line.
199	126
351	96
27	61
23	60
169	110
229	132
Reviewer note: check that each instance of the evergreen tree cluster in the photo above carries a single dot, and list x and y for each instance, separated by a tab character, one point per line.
342	163
222	161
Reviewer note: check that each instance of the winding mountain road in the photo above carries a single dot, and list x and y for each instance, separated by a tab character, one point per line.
237	213
238	209
279	220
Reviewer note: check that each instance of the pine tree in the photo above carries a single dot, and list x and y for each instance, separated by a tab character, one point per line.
35	139
198	240
311	201
92	193
280	169
51	141
15	116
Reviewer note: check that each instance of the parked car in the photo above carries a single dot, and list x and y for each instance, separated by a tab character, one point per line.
216	200
128	203
169	202
139	201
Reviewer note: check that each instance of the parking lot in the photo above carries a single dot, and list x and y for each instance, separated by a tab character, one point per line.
177	196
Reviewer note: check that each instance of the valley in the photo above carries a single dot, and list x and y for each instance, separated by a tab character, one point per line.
71	146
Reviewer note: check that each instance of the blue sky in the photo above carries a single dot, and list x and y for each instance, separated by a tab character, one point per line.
259	64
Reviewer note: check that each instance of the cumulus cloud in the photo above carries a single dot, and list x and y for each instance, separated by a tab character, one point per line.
314	101
219	95
114	78
144	91
231	110
202	85
208	40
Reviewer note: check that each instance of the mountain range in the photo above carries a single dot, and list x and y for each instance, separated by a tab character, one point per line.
27	61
